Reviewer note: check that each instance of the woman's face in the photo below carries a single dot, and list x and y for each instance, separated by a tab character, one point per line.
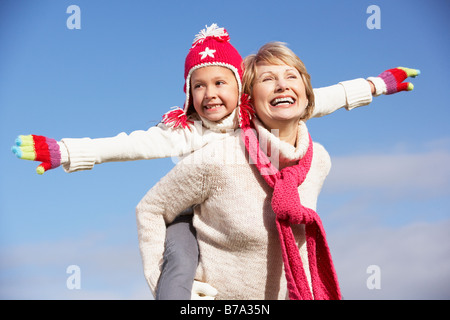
278	95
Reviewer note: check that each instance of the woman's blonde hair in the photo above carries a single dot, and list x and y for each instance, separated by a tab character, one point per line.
277	53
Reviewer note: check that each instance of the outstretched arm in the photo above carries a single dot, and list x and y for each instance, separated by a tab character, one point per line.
82	154
358	92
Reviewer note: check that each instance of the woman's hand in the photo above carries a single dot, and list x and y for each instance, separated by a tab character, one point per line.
38	148
391	81
203	291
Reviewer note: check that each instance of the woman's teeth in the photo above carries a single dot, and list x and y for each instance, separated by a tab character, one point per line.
279	101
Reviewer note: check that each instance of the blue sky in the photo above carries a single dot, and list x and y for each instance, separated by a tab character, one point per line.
385	202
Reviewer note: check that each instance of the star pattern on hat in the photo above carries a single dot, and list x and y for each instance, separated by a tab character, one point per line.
208	52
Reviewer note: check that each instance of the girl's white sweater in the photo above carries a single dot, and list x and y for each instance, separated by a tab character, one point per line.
161	141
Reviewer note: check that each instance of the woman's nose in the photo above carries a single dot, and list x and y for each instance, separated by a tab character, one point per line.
281	85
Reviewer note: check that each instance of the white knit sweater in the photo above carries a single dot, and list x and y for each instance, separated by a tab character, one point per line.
240	252
161	141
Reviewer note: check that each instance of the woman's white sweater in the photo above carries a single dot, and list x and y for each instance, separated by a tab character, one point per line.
240	252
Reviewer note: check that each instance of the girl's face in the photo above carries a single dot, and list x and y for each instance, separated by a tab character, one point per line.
278	95
215	92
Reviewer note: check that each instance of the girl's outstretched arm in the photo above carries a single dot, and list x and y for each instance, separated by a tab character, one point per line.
73	155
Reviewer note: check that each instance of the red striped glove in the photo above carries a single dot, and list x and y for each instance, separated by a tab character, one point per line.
393	80
38	148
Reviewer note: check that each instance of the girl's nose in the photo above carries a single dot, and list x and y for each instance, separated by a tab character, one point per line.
210	92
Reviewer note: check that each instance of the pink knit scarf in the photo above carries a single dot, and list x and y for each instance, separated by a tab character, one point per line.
289	210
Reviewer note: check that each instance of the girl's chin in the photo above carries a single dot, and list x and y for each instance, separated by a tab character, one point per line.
214	114
215	117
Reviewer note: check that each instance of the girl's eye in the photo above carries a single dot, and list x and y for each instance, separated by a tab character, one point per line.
198	85
218	83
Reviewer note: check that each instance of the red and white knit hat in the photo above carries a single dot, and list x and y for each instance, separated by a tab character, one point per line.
211	47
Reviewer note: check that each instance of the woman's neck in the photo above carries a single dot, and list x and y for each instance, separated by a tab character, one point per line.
288	133
274	146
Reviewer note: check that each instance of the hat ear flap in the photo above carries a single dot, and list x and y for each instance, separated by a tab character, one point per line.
176	118
246	111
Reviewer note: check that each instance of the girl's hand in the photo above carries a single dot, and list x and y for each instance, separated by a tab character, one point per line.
38	148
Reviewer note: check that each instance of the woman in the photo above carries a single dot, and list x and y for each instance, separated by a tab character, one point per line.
238	232
240	254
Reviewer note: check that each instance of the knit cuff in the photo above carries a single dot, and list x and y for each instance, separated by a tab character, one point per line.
358	93
80	155
64	153
380	85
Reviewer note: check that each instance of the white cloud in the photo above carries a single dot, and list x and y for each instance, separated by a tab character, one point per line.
38	271
420	174
414	261
391	210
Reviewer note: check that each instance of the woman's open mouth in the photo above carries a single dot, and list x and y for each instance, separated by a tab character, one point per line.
282	102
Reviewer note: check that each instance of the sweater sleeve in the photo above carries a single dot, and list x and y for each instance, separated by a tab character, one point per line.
157	142
184	186
349	94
